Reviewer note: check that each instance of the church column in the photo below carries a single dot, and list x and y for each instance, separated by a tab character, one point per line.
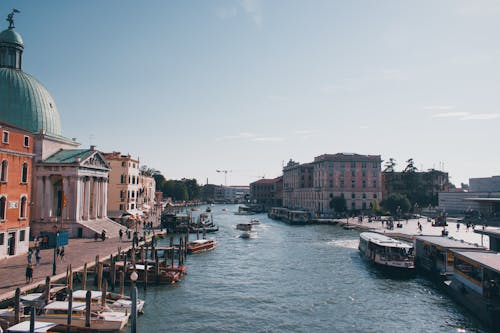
101	197
67	193
38	200
47	199
96	197
86	207
105	198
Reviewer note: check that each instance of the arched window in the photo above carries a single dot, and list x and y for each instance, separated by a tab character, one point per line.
22	208
3	207
3	171
24	173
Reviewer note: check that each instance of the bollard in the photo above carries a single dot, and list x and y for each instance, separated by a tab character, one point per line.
122	282
70	278
70	308
134	310
104	292
47	290
99	276
88	302
17	306
32	319
84	277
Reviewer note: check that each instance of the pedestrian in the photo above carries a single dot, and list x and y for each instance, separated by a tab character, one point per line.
61	254
58	253
30	256
135	240
38	256
120	234
458	226
29	273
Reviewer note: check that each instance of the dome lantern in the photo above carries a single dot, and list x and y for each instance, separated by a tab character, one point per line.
11	45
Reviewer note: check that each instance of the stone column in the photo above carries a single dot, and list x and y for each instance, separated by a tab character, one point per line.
96	197
75	197
47	193
105	198
66	189
38	200
86	207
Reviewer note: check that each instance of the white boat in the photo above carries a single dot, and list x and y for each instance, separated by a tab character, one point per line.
387	252
114	302
245	234
254	222
101	321
40	327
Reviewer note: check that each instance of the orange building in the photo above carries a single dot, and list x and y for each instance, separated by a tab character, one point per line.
16	161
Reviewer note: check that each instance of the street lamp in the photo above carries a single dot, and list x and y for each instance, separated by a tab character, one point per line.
133	278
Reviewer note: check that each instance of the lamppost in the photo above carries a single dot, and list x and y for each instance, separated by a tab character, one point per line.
133	279
54	264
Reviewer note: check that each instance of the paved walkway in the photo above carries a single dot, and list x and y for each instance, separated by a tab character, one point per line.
410	227
77	252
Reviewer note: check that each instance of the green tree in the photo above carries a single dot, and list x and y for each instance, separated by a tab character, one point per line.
395	201
338	204
192	187
180	191
160	182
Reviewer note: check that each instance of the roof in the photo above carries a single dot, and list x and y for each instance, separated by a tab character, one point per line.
449	242
26	103
483	199
383	240
69	156
11	36
267	181
485	258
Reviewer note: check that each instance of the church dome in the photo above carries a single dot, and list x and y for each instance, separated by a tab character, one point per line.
24	101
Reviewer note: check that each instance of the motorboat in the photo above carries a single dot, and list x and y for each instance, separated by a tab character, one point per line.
244	226
201	245
254	222
39	327
101	321
114	301
387	252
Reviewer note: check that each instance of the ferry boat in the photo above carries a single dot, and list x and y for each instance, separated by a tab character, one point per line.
244	210
201	245
387	252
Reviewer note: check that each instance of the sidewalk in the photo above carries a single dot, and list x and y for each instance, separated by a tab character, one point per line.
76	253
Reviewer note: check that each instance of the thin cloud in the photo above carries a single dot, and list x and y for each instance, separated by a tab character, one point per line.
450	115
277	98
364	127
253	9
481	116
240	136
268	139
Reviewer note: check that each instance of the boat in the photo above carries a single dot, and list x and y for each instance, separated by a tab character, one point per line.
164	274
39	327
244	226
205	224
114	302
244	210
201	245
245	234
254	222
208	210
102	321
387	252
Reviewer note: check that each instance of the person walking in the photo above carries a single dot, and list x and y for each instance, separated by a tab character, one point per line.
120	234
30	256
38	256
61	254
29	273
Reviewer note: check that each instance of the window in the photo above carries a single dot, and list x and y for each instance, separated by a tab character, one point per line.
2	235
22	208
122	179
3	171
341	183
22	235
5	137
123	164
133	194
364	183
24	173
353	183
353	165
374	195
122	207
26	141
132	206
3	207
353	173
121	194
363	165
374	183
353	196
364	195
353	205
375	165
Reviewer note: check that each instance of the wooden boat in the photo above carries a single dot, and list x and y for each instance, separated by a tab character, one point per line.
387	252
114	302
201	245
165	274
105	321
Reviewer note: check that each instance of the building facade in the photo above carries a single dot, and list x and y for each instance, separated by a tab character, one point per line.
311	186
267	193
147	195
16	168
485	184
124	185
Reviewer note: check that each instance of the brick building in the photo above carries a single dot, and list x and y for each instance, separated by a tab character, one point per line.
311	186
16	156
267	193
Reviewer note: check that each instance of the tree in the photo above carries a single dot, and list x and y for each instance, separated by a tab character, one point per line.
193	189
147	171
395	201
160	182
338	204
389	165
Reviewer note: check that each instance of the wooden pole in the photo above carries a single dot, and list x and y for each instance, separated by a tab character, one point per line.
47	290
141	252
157	268
171	240
70	307
88	301
84	276
32	319
70	278
122	282
145	274
17	306
181	251
104	292
99	276
113	274
134	310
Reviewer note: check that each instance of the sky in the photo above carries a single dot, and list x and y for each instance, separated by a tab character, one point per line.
190	87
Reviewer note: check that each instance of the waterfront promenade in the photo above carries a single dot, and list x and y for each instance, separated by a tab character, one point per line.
76	253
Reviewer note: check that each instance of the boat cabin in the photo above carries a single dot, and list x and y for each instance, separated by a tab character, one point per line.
433	253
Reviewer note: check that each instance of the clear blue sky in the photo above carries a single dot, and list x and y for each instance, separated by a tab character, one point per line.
194	86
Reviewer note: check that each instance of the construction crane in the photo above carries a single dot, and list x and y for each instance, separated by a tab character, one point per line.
225	175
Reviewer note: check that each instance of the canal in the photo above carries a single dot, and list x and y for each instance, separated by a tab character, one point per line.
294	279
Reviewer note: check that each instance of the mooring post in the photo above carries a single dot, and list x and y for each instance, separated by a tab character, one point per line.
32	319
84	276
113	274
141	253
70	278
134	310
47	290
122	282
88	302
99	276
104	292
17	306
145	274
70	308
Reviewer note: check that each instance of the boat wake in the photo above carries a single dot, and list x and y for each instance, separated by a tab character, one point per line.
345	243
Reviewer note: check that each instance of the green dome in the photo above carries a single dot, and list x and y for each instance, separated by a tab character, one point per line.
25	103
10	36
